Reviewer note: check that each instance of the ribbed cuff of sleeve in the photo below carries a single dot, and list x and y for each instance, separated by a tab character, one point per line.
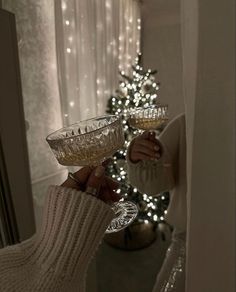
142	169
151	176
72	228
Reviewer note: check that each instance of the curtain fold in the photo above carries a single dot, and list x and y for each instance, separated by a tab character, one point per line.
94	40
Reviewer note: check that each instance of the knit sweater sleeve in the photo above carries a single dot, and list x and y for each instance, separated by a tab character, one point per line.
153	177
56	258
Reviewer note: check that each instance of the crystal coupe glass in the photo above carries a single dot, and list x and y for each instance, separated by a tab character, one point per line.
89	143
153	118
150	118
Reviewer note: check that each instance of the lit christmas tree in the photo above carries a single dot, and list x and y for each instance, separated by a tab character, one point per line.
140	90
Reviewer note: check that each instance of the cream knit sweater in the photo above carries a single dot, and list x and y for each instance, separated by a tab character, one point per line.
56	258
167	173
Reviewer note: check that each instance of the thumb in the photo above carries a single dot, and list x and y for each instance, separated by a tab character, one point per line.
95	181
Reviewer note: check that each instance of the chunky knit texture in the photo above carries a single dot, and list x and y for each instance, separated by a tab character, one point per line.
56	258
167	173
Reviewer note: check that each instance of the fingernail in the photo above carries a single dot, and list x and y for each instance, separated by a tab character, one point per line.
156	148
99	171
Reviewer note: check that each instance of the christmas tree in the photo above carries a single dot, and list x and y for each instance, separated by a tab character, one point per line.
140	90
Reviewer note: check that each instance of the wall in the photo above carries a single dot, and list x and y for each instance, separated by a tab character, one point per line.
161	49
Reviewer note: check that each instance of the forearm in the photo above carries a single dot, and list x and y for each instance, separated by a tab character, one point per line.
74	224
59	253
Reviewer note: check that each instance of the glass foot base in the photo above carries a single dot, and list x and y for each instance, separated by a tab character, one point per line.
125	212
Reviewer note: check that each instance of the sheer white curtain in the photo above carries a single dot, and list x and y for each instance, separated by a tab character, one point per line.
208	34
94	39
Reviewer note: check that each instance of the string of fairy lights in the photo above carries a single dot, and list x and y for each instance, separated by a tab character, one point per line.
106	32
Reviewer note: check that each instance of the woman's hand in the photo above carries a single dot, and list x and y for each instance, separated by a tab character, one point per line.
94	179
145	147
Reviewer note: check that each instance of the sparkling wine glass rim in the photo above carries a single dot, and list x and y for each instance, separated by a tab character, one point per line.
52	137
149	107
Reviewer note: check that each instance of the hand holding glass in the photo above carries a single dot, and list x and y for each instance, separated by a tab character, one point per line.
151	119
89	143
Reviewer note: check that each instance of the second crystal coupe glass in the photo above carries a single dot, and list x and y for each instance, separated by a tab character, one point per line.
150	118
154	119
89	143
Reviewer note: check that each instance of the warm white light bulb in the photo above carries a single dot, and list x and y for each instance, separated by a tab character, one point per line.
108	5
67	22
72	103
63	6
68	50
155	217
